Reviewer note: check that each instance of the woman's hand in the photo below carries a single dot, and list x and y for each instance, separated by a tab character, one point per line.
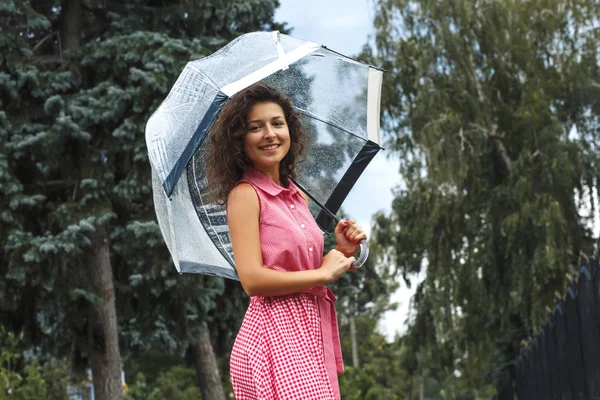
348	236
334	265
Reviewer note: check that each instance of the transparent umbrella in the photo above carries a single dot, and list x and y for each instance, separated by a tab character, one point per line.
337	98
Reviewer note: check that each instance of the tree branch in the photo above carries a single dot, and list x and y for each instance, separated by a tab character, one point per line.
48	36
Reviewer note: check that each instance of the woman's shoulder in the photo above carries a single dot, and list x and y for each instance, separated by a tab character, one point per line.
242	191
242	202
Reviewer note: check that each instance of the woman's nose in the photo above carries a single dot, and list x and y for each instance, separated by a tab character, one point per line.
269	132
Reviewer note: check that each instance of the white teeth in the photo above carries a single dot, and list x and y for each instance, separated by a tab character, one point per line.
270	147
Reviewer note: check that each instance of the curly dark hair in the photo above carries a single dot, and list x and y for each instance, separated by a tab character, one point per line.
227	161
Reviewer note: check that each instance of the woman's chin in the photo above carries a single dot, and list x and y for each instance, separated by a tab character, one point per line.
271	162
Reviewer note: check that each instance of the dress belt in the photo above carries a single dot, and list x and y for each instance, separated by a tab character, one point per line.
329	326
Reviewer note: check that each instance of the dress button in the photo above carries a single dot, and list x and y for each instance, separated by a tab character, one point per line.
302	226
310	249
292	206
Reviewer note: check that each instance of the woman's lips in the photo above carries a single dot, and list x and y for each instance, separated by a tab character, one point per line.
270	147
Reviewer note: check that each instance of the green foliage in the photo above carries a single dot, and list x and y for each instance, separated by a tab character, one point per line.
73	156
24	378
177	383
492	107
380	374
139	389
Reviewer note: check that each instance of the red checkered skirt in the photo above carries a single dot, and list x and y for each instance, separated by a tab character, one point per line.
278	353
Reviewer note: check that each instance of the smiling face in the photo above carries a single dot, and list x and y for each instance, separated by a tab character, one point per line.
267	140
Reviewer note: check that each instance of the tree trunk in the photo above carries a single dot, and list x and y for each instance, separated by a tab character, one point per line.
103	340
70	24
355	362
207	370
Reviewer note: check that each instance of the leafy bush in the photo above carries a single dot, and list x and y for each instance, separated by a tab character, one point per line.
24	378
177	383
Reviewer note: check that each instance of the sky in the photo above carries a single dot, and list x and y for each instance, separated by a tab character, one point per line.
345	26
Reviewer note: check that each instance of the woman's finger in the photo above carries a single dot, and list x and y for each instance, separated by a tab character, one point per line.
359	235
342	226
349	223
352	231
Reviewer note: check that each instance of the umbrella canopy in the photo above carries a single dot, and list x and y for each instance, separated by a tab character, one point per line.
337	98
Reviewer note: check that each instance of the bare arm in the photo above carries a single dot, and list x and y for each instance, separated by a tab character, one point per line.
243	213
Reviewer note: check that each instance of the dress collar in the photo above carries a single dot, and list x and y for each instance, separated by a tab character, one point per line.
266	184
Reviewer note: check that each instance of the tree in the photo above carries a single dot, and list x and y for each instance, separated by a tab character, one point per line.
79	80
492	107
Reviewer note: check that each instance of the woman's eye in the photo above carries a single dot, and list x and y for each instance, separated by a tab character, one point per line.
278	124
254	128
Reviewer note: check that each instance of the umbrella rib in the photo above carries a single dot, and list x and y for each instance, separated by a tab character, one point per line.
352	59
204	209
311	115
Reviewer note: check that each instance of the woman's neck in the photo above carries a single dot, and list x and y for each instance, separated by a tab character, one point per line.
272	174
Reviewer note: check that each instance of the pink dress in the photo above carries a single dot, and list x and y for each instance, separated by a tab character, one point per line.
288	346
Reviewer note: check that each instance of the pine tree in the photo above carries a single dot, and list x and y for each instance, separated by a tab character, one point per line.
78	82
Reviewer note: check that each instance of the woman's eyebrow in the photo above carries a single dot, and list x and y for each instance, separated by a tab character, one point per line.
254	121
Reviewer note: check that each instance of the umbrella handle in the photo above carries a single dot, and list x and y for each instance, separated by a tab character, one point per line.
362	257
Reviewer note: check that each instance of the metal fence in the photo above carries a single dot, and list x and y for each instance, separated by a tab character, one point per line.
563	360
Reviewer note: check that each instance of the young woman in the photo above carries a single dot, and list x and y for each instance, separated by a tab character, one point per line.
288	346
